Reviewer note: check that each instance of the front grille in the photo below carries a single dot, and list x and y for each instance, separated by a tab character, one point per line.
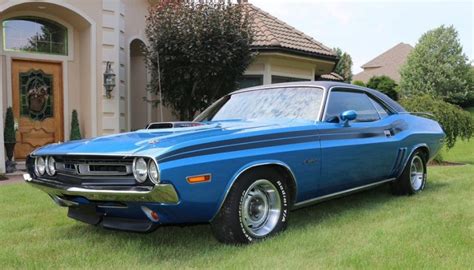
94	170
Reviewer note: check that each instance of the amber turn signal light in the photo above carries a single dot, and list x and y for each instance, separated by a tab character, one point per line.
198	178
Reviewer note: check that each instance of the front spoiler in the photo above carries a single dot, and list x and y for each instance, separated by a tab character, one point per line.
160	193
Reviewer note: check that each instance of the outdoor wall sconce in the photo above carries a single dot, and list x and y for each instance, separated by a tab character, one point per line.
109	79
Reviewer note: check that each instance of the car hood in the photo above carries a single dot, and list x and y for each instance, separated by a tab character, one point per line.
155	142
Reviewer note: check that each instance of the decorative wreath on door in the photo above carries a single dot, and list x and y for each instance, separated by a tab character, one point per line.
36	91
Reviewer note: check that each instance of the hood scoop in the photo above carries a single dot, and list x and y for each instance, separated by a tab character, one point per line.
181	124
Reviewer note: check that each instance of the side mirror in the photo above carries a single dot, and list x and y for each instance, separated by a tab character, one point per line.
347	116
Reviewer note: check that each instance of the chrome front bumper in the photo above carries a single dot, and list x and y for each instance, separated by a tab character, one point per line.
161	193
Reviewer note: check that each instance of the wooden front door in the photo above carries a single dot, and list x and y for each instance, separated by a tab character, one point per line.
37	104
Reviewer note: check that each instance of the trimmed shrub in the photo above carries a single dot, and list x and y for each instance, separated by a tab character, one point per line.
75	130
9	135
359	83
456	123
385	85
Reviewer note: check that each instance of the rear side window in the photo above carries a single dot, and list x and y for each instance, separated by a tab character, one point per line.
382	110
340	101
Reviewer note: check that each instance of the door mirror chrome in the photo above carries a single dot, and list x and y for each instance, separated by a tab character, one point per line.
347	116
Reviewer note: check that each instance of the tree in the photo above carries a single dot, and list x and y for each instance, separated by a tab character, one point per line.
75	130
203	48
438	67
344	66
385	85
456	122
470	96
359	83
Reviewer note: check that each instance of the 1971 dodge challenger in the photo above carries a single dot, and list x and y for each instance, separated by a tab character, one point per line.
244	163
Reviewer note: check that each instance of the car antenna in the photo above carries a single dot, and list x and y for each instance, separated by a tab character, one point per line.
159	84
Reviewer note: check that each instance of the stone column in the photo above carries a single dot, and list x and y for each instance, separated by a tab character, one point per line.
114	109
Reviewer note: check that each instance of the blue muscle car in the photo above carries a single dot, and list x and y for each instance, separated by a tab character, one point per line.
249	159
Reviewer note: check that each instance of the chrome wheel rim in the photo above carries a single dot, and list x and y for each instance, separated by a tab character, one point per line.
261	208
417	173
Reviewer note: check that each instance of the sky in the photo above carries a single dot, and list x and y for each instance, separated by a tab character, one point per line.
368	28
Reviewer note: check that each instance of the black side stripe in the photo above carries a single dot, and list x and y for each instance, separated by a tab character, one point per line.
258	138
268	143
239	147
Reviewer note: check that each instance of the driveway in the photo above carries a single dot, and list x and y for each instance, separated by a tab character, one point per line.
12	179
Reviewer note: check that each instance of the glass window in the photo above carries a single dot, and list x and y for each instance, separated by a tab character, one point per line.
340	101
281	79
290	103
36	35
383	112
249	81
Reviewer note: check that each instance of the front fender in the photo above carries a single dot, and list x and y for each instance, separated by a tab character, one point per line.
200	202
250	166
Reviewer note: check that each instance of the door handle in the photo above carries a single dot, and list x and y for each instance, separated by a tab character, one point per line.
388	132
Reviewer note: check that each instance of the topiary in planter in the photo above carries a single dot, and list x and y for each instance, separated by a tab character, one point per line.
75	130
9	135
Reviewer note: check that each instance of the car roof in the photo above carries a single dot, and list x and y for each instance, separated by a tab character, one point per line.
328	85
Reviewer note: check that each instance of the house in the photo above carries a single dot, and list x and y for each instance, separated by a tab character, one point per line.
284	53
54	55
388	63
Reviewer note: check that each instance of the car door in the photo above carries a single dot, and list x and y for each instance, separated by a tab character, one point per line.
361	152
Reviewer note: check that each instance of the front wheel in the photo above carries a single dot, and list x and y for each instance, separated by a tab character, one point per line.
413	178
255	208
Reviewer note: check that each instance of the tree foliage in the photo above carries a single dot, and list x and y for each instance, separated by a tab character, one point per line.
75	130
456	122
203	48
359	83
344	66
385	85
438	67
9	135
470	96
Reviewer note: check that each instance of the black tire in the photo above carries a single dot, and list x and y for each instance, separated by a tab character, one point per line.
404	184
229	226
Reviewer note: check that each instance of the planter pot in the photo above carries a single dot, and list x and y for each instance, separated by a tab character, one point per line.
10	166
9	148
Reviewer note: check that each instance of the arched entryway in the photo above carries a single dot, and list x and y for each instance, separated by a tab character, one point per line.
46	79
140	113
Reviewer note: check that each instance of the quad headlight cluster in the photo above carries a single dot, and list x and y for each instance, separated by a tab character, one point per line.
146	168
143	168
45	165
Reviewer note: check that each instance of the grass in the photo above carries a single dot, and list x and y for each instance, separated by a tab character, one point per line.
373	229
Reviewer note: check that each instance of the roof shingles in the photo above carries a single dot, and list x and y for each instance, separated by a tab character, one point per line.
269	31
388	63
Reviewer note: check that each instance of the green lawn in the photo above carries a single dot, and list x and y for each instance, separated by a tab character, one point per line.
373	229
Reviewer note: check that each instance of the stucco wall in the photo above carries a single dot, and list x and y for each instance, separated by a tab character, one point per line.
277	64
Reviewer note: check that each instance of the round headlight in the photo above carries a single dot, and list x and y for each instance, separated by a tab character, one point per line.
153	172
40	166
51	166
140	170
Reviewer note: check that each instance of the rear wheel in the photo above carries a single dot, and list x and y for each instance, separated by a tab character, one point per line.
413	178
255	208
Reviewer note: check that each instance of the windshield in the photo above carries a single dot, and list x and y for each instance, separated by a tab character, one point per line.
290	103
